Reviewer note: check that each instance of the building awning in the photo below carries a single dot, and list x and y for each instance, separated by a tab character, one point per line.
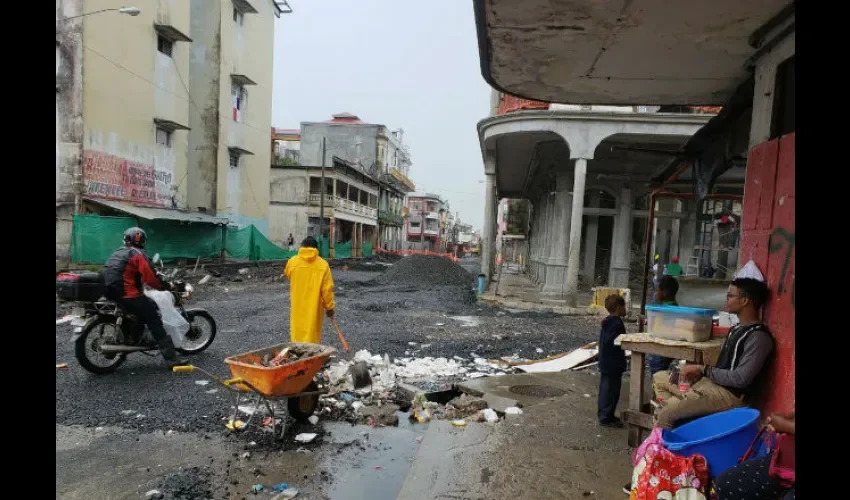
240	151
151	213
241	79
244	6
169	125
171	32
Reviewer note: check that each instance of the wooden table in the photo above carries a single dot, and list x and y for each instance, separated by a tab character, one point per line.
636	418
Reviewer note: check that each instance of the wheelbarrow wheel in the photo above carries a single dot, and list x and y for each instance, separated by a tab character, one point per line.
302	408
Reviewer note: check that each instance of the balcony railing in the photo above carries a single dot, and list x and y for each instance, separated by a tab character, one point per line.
389	218
345	205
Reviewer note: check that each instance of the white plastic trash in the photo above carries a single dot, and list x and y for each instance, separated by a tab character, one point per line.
490	415
305	437
175	324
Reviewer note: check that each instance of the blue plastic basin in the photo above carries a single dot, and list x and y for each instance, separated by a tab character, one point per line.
722	438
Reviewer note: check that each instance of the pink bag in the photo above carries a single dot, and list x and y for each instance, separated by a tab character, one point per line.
654	438
782	463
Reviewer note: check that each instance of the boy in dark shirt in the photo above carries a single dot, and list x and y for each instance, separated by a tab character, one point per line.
665	294
612	361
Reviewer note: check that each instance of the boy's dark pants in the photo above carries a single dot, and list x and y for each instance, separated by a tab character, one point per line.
609	395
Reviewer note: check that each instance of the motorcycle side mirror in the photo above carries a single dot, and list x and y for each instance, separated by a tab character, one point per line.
156	259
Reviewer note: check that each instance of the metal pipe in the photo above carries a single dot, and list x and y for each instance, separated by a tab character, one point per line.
124	348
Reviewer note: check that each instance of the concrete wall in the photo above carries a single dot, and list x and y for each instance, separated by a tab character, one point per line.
247	49
341	141
111	137
205	120
69	118
289	192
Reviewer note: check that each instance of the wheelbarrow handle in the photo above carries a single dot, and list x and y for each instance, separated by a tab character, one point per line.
231	381
183	369
341	337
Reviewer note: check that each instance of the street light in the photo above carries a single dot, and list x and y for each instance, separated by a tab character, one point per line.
130	11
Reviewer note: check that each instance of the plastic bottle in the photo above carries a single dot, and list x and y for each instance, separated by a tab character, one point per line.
684	383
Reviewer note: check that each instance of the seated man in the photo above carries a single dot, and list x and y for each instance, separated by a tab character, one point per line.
742	359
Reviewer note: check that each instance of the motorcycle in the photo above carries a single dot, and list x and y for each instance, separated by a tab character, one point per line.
104	334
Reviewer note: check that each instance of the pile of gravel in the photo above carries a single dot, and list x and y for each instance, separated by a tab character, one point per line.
427	271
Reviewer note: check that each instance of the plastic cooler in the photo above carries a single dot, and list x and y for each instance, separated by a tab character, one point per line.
690	324
722	438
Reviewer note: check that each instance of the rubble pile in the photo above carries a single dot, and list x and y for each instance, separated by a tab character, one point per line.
380	404
426	271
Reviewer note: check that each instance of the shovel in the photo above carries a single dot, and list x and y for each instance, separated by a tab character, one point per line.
359	370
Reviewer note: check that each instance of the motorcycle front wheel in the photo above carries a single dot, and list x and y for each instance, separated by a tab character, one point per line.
87	347
202	330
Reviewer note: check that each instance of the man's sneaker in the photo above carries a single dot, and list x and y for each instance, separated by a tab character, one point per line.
627	488
615	423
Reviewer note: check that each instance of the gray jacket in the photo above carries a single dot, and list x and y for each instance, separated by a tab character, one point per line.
742	358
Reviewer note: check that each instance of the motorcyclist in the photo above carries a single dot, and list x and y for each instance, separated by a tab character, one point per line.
124	275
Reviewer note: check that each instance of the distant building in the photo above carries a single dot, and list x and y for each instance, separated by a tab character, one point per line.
424	223
375	151
350	205
286	146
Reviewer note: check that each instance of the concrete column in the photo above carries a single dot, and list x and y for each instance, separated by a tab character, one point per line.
590	242
360	240
573	260
488	232
332	237
559	228
675	232
621	254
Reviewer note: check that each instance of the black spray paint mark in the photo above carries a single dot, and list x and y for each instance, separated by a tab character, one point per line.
775	244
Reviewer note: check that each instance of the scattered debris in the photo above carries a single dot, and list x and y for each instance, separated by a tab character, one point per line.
490	415
257	488
202	382
459	423
305	437
205	279
286	494
513	410
313	420
561	362
235	425
154	495
65	319
61	365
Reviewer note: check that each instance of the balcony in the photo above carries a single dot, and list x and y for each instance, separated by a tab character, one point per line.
345	205
390	219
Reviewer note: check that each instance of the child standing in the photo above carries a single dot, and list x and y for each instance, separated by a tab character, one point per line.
612	361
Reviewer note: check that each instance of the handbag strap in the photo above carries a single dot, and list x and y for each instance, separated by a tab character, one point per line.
750	449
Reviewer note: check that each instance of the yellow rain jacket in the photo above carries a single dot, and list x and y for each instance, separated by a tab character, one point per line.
311	293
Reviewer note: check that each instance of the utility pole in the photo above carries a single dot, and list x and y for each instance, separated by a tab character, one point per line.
322	198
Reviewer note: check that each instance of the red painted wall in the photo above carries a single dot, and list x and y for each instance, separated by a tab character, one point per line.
767	237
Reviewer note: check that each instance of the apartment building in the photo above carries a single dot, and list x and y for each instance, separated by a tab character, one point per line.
425	221
145	112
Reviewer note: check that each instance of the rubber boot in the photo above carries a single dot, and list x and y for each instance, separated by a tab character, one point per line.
166	347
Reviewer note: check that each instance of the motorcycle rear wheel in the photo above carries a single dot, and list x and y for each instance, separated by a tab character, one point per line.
92	336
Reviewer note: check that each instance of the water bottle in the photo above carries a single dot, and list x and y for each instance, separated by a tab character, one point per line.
684	384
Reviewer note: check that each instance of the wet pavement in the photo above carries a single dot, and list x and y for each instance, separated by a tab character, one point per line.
137	406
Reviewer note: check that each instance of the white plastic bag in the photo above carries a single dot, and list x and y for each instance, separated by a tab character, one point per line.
750	270
175	324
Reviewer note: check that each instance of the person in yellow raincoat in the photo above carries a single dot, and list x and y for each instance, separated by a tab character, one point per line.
311	292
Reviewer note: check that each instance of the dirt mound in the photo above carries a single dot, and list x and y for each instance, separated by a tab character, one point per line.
426	270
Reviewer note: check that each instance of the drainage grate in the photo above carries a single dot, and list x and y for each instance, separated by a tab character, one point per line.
537	391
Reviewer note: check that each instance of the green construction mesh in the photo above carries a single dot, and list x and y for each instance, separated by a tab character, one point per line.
367	249
342	250
94	238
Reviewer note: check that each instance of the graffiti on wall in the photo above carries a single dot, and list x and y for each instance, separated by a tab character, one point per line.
112	177
782	239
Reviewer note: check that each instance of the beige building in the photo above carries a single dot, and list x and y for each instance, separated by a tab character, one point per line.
138	92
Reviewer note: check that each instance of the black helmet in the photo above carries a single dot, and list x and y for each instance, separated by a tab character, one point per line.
136	237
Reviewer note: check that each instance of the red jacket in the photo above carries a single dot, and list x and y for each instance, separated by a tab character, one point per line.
125	273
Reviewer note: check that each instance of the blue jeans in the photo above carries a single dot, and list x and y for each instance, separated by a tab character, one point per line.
657	363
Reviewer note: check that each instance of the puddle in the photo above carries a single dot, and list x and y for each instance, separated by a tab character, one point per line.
467	321
379	471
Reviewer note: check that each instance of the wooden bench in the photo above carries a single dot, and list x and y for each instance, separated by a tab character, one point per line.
638	416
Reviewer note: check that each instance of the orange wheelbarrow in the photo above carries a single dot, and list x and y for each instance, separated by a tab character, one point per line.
292	382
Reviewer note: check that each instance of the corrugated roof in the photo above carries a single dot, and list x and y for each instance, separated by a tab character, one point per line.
151	213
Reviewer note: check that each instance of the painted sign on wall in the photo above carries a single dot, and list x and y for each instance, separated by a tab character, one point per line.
113	177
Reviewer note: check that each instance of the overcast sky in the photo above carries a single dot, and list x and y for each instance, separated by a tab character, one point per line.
402	63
